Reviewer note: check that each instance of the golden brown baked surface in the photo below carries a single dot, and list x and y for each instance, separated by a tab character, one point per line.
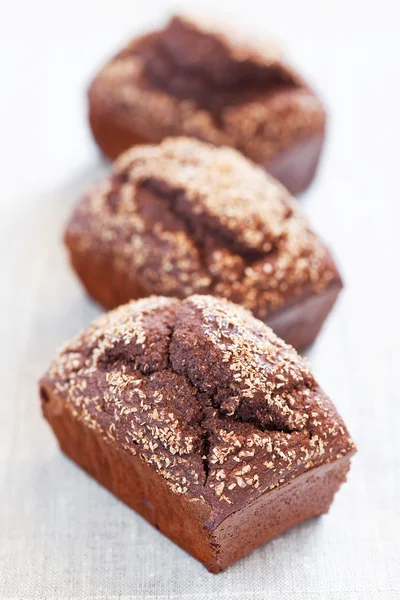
188	79
186	217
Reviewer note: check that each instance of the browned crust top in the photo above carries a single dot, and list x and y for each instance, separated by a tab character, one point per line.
204	393
188	79
186	217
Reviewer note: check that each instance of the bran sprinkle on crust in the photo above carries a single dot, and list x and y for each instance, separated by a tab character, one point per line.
185	217
201	391
195	80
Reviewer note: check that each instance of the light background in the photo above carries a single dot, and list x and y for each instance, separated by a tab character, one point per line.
61	534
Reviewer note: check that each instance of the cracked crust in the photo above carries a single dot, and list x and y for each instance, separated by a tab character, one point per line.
186	217
206	395
188	79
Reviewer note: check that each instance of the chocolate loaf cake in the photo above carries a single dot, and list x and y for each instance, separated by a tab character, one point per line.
200	418
195	80
187	217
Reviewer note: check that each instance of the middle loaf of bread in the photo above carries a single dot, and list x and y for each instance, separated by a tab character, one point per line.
185	217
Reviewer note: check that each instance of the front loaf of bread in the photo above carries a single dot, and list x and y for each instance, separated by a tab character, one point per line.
185	217
200	418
